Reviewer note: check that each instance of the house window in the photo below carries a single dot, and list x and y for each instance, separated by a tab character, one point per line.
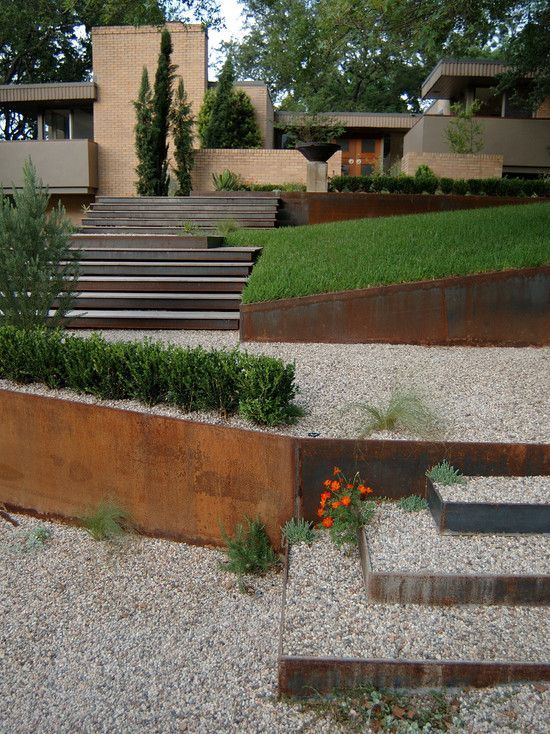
345	170
57	124
491	103
343	143
366	169
368	145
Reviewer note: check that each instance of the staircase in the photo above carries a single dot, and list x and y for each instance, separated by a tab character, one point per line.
178	215
159	282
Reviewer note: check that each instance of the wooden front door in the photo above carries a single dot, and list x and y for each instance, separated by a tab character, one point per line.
360	156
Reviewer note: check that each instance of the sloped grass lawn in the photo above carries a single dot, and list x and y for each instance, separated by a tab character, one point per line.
323	258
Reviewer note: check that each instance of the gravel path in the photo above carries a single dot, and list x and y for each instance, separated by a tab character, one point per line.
328	614
151	636
409	542
484	394
511	490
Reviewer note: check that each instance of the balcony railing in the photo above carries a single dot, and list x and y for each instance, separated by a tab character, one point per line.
65	166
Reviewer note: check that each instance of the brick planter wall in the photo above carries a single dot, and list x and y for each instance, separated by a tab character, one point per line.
454	165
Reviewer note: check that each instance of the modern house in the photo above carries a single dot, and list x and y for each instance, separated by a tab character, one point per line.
82	134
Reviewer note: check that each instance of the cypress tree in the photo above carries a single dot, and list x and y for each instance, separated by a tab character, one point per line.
216	130
182	133
161	103
145	166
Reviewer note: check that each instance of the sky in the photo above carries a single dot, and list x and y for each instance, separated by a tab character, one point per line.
232	14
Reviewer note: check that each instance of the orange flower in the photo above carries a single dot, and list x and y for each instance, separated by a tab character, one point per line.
326	483
320	512
328	522
349	486
336	471
365	490
346	500
334	505
325	496
335	486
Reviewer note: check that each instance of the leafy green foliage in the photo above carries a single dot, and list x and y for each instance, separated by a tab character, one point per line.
38	270
406	411
444	473
249	551
227	226
227	181
298	531
312	128
239	128
412	503
182	132
299	261
107	521
464	134
260	388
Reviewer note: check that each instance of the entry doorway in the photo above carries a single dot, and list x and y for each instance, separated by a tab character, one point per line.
361	156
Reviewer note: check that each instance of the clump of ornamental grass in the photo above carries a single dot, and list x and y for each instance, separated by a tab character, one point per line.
405	412
342	508
412	503
298	531
249	551
444	473
107	522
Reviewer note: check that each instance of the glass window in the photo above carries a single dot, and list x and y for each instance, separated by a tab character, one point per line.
367	169
345	170
368	145
83	124
491	103
57	124
343	143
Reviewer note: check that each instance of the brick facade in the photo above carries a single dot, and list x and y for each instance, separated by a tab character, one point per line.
119	55
255	165
544	110
454	165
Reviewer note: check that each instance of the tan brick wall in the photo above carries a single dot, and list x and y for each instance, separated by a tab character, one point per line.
119	55
263	108
255	165
544	109
454	165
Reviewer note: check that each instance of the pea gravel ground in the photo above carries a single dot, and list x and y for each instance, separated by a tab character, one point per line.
483	394
145	635
512	490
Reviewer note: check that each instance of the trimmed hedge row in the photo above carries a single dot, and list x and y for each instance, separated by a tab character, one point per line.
430	184
259	388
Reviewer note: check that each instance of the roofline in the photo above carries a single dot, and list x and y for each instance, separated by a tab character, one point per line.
48	92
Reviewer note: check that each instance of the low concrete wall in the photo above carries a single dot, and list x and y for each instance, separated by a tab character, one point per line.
299	208
177	478
255	165
508	308
454	165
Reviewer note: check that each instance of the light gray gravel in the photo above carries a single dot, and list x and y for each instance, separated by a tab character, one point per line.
138	636
509	490
327	613
409	542
484	394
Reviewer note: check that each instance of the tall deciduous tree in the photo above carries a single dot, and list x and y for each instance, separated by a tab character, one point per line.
182	134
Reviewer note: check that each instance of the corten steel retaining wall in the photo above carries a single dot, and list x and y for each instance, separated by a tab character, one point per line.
507	308
177	478
299	208
180	479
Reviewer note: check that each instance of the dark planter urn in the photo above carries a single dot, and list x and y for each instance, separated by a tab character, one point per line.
319	152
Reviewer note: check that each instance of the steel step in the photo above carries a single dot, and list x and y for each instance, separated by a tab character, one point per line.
140	284
154	230
108	319
229	254
164	301
161	270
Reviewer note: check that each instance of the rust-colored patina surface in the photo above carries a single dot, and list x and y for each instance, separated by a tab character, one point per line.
305	677
298	208
397	468
177	478
507	308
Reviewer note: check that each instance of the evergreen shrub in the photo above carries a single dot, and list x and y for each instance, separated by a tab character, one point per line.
259	388
425	182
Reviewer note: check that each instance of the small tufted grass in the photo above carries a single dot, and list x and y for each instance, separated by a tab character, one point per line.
298	531
444	473
107	522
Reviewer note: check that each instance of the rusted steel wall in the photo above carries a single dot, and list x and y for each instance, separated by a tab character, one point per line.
298	208
178	479
397	468
307	677
508	308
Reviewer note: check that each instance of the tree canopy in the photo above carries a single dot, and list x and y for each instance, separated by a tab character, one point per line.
353	55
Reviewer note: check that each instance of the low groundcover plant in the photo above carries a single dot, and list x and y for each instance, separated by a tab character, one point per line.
444	473
249	551
342	508
298	531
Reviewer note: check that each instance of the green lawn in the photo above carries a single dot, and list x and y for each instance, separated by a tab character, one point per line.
322	258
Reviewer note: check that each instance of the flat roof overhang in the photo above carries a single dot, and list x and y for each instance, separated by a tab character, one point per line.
373	120
23	95
450	78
